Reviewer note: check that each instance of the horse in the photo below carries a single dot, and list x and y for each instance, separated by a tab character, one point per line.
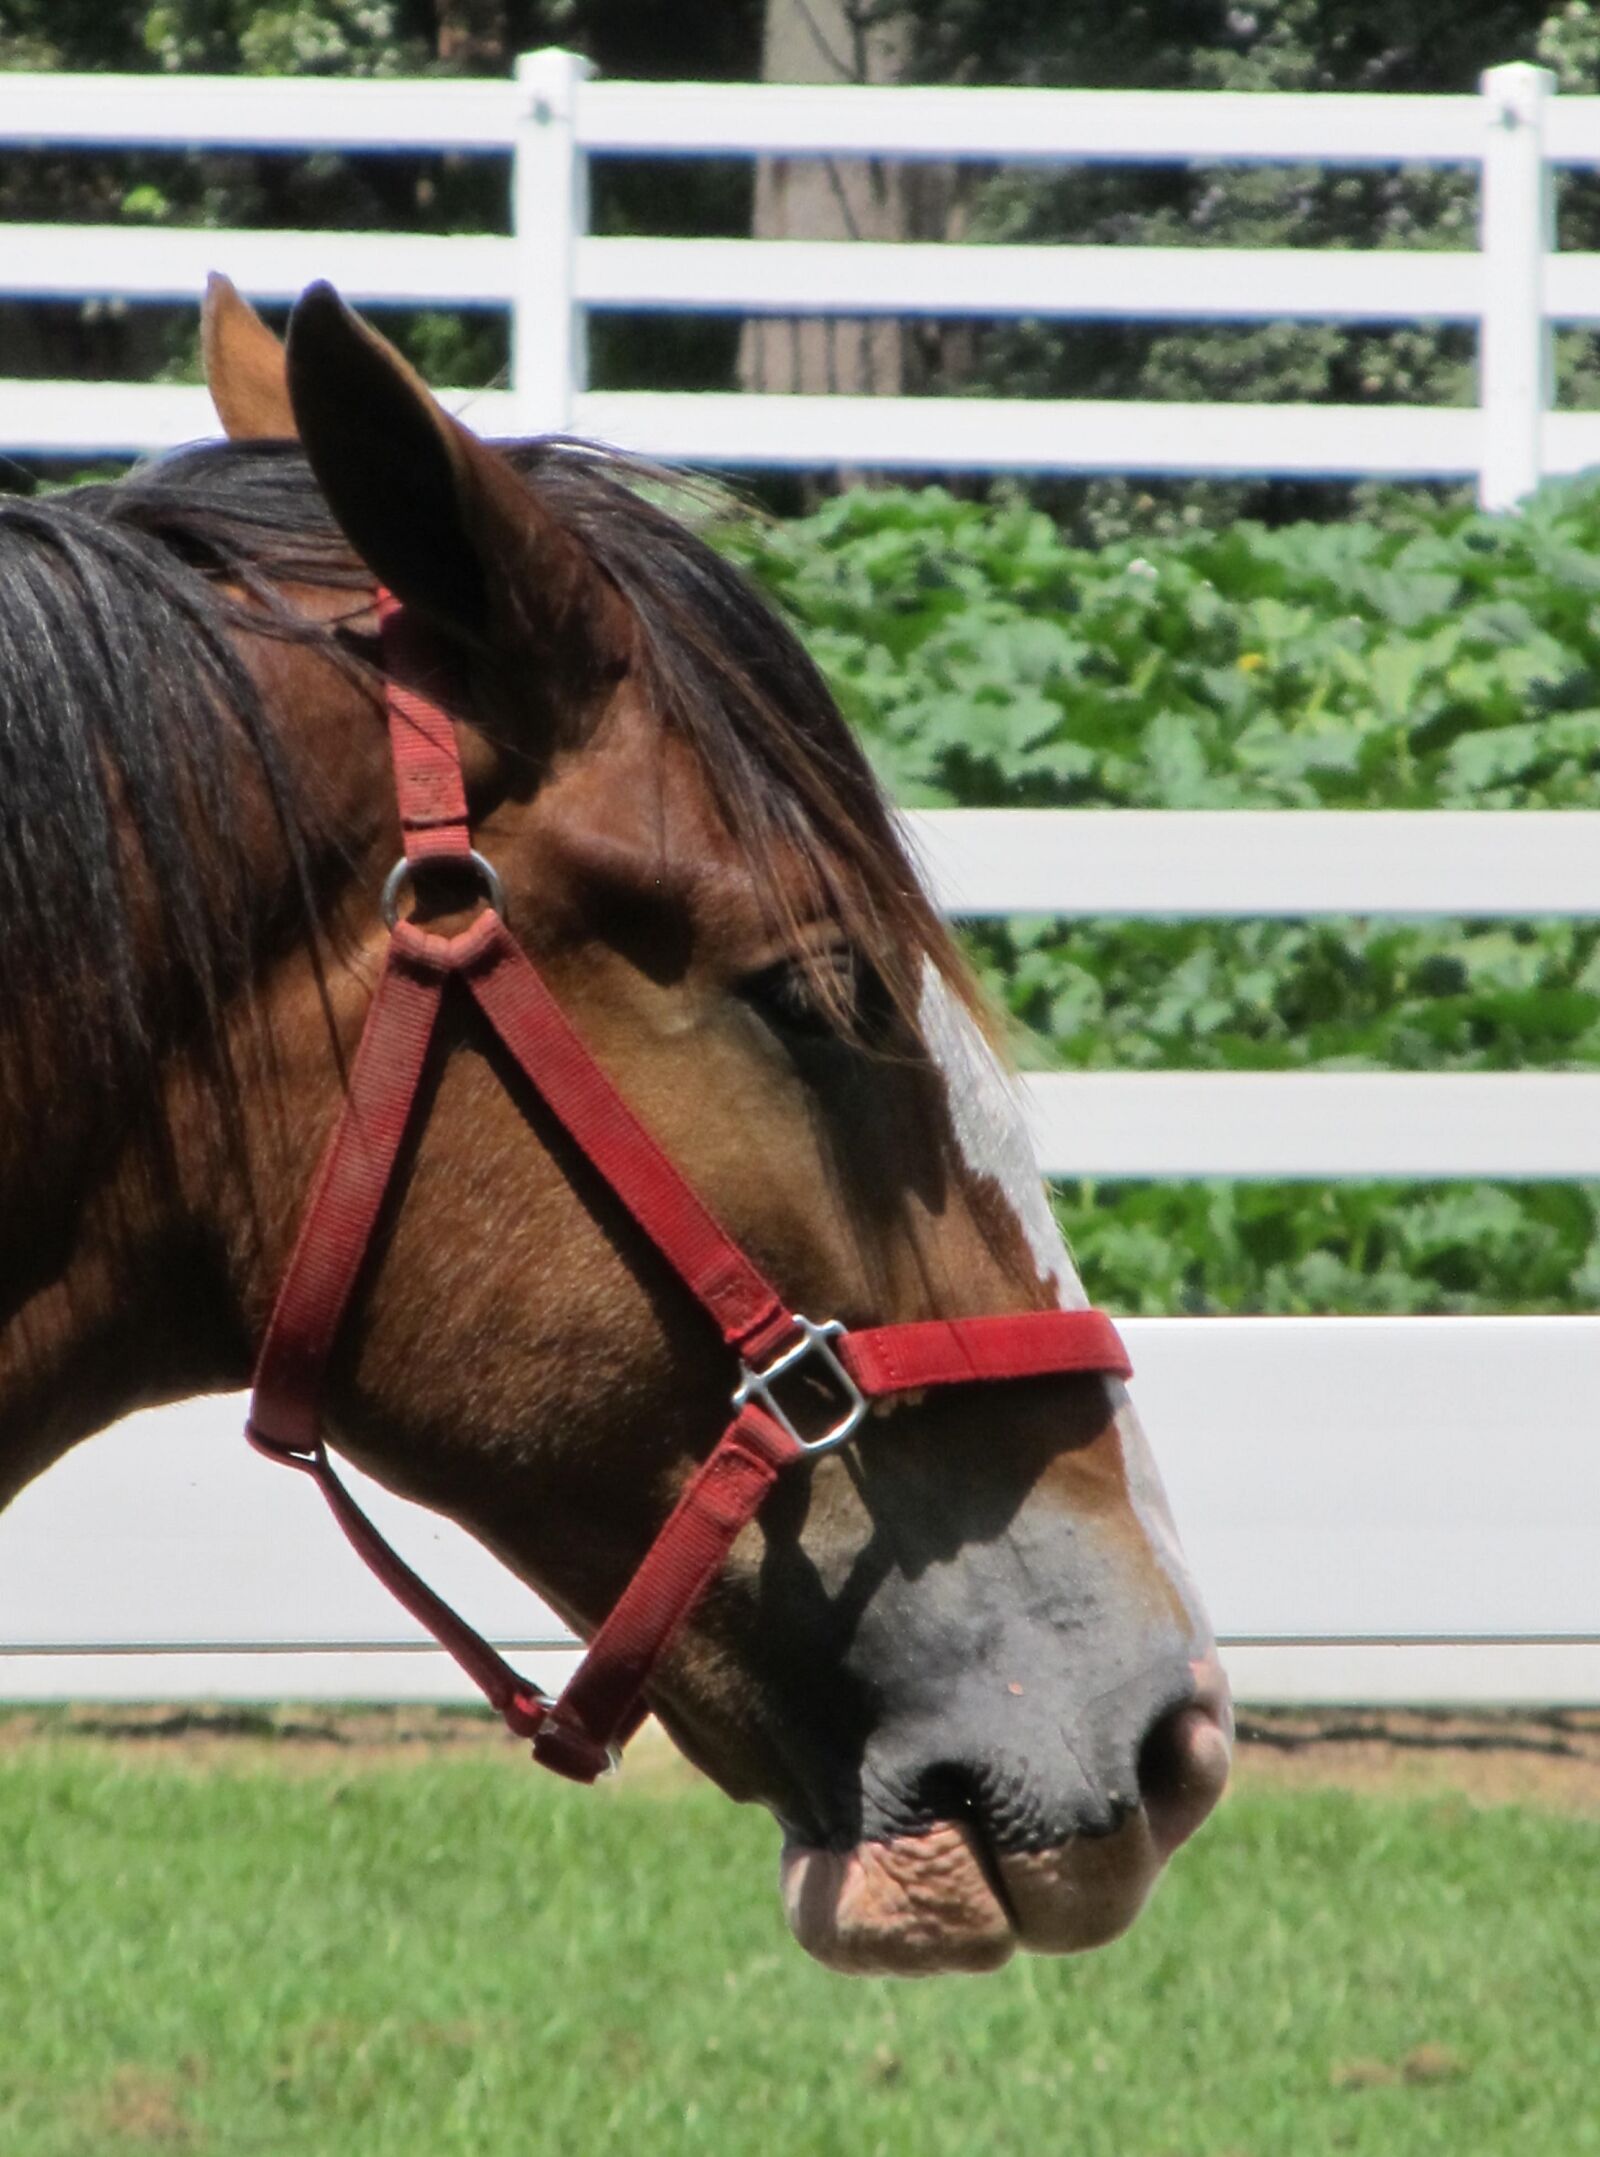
960	1658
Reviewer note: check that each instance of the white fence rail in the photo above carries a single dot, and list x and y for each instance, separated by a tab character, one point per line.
1378	1508
553	271
1220	863
1195	863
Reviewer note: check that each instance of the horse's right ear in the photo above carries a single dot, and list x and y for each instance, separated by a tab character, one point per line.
440	518
244	366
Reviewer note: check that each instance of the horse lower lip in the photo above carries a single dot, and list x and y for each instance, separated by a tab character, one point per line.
911	1906
1085	1892
917	1905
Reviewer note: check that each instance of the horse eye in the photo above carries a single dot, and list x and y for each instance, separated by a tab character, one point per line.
829	996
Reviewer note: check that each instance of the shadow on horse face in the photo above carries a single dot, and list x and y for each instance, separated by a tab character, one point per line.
961	1661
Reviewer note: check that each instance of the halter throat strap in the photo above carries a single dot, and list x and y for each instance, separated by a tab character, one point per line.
788	1363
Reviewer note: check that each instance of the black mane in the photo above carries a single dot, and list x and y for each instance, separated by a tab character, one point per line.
123	702
127	718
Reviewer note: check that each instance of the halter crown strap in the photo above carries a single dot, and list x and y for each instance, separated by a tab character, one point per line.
580	1733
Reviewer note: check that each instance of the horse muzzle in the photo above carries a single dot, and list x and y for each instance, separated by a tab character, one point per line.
963	1892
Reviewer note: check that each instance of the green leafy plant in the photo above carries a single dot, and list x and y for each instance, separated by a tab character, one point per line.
1436	659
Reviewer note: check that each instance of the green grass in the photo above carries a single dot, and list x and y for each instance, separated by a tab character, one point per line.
457	1956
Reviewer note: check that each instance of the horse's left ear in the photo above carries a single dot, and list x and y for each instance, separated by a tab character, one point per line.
244	366
438	516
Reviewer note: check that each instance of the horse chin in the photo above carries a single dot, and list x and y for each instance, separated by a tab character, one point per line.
923	1905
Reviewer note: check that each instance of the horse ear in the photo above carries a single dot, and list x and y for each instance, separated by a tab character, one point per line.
440	518
244	366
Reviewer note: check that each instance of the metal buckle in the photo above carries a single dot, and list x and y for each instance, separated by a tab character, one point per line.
404	871
813	1341
612	1752
547	1704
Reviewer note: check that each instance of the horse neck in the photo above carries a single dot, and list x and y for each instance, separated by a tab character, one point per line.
134	1262
102	1308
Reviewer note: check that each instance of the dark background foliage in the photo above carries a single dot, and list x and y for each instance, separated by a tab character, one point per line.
443	194
1413	46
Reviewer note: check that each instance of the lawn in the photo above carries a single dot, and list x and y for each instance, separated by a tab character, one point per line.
253	1947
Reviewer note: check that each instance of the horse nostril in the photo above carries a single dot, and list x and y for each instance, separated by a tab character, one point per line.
949	1790
1183	1767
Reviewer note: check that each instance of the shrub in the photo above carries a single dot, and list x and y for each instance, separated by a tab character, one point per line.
1438	659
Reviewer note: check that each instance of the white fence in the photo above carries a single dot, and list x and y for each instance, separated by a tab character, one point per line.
1378	1508
553	271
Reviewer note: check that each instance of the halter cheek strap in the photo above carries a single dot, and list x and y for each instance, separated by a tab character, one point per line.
788	1363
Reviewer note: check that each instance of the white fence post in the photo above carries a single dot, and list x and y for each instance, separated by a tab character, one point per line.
549	209
1517	228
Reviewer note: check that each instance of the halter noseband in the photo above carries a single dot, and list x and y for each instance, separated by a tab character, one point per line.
580	1733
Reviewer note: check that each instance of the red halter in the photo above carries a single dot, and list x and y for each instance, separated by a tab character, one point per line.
580	1733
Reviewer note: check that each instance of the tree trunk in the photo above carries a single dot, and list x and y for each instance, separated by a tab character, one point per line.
827	199
472	34
849	199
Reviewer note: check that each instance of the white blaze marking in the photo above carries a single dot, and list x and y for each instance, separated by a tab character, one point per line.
991	1130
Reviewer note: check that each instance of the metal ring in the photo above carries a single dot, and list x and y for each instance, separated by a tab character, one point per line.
404	871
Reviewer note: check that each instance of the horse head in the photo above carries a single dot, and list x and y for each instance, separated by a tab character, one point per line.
960	1660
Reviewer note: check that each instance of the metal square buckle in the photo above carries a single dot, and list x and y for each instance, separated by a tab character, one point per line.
813	1341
